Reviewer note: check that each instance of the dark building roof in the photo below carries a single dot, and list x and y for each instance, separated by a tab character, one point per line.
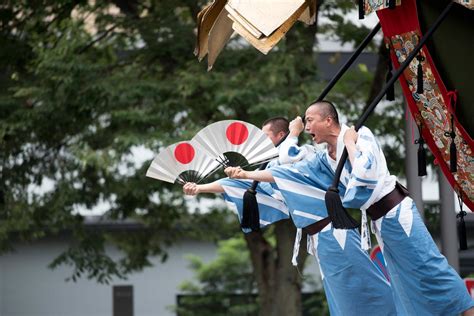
330	62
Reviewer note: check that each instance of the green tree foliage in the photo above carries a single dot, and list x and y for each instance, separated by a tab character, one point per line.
77	99
230	272
226	285
89	86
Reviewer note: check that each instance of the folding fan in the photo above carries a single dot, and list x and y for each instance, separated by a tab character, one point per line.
182	162
235	143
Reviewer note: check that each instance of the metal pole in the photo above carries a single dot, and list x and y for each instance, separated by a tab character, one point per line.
333	82
349	62
449	238
411	171
249	199
339	216
381	94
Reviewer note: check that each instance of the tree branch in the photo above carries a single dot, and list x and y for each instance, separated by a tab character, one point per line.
96	40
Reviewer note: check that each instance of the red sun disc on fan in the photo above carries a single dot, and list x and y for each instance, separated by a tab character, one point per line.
237	133
184	153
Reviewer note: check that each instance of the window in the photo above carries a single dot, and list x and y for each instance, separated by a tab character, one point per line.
123	300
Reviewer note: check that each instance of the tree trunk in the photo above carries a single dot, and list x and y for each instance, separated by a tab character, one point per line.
279	283
289	281
262	255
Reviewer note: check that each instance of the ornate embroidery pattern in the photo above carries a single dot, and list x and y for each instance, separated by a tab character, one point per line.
433	112
374	5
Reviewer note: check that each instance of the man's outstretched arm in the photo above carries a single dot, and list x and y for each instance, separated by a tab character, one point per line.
257	175
192	188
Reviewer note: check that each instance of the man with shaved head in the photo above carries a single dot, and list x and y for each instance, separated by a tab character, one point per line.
352	283
339	256
322	123
423	283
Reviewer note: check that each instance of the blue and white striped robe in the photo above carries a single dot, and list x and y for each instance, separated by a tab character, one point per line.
270	206
422	280
352	283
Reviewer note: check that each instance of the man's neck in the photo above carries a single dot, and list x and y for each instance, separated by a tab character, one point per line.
332	142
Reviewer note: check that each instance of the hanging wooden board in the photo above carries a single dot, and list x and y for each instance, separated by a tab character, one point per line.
265	44
235	16
218	37
266	15
208	19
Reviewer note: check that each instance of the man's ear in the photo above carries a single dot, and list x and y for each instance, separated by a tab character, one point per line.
329	120
281	134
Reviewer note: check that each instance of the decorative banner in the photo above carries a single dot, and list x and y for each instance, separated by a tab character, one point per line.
429	106
375	5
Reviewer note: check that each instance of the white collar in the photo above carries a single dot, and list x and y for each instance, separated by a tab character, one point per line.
340	142
339	147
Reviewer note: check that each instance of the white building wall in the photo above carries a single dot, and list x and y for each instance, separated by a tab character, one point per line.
1	286
29	288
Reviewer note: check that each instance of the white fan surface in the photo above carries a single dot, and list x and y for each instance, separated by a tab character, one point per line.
178	158
236	136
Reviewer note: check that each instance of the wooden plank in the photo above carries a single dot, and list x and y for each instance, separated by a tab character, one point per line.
308	16
235	16
266	15
208	19
218	37
199	21
265	44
